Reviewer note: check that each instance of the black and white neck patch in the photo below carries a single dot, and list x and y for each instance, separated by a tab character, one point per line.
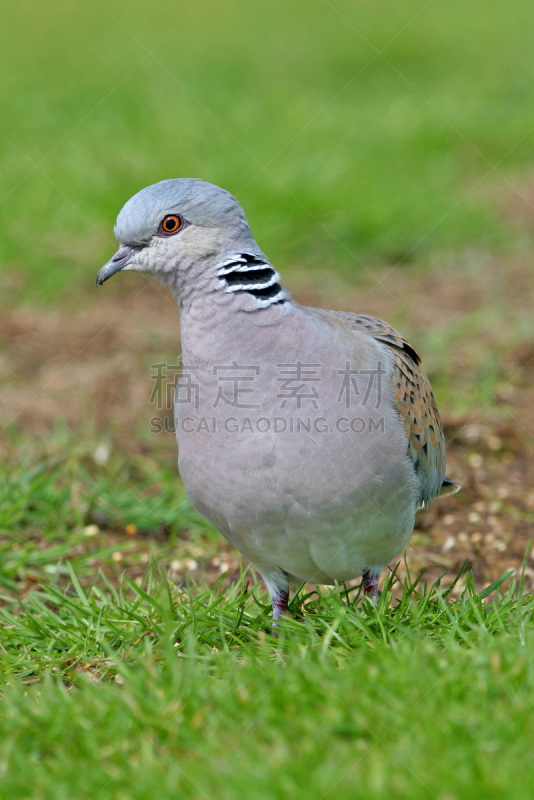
245	272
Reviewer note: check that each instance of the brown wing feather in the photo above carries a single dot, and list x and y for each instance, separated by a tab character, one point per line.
414	400
380	330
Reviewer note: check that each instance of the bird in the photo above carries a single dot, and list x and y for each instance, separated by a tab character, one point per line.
308	438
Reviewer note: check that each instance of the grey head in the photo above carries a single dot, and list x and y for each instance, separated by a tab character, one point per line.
176	224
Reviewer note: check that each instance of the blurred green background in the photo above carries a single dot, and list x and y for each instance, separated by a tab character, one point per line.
384	154
351	132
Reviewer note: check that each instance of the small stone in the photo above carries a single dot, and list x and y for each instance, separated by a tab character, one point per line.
472	433
475	460
505	392
102	453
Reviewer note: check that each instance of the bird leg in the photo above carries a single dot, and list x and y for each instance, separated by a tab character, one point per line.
278	585
280	603
370	585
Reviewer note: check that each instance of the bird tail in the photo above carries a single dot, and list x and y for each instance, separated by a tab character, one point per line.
449	487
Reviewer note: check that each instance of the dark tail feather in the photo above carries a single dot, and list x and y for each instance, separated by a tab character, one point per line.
448	487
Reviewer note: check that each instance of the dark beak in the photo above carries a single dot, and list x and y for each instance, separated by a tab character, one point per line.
120	260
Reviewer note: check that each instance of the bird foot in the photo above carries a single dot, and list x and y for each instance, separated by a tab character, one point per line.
280	604
370	586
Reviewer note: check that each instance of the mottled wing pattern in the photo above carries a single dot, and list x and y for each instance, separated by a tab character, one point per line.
414	400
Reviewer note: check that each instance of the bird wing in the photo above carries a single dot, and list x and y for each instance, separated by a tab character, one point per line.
414	401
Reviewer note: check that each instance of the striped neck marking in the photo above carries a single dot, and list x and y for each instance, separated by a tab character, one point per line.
245	272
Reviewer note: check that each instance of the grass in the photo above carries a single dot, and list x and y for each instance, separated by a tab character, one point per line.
116	683
362	137
350	135
113	692
68	509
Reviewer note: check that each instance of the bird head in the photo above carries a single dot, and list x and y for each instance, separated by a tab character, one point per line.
175	225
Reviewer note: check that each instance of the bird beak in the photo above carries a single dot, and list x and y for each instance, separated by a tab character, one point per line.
120	260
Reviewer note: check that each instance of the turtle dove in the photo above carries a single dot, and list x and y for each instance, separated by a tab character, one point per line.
308	438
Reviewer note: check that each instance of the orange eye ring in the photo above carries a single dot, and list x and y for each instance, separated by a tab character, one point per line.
171	223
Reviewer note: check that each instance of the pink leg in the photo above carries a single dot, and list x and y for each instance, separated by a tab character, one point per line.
370	585
280	602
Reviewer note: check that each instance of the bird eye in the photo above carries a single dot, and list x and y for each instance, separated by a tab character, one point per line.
170	224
